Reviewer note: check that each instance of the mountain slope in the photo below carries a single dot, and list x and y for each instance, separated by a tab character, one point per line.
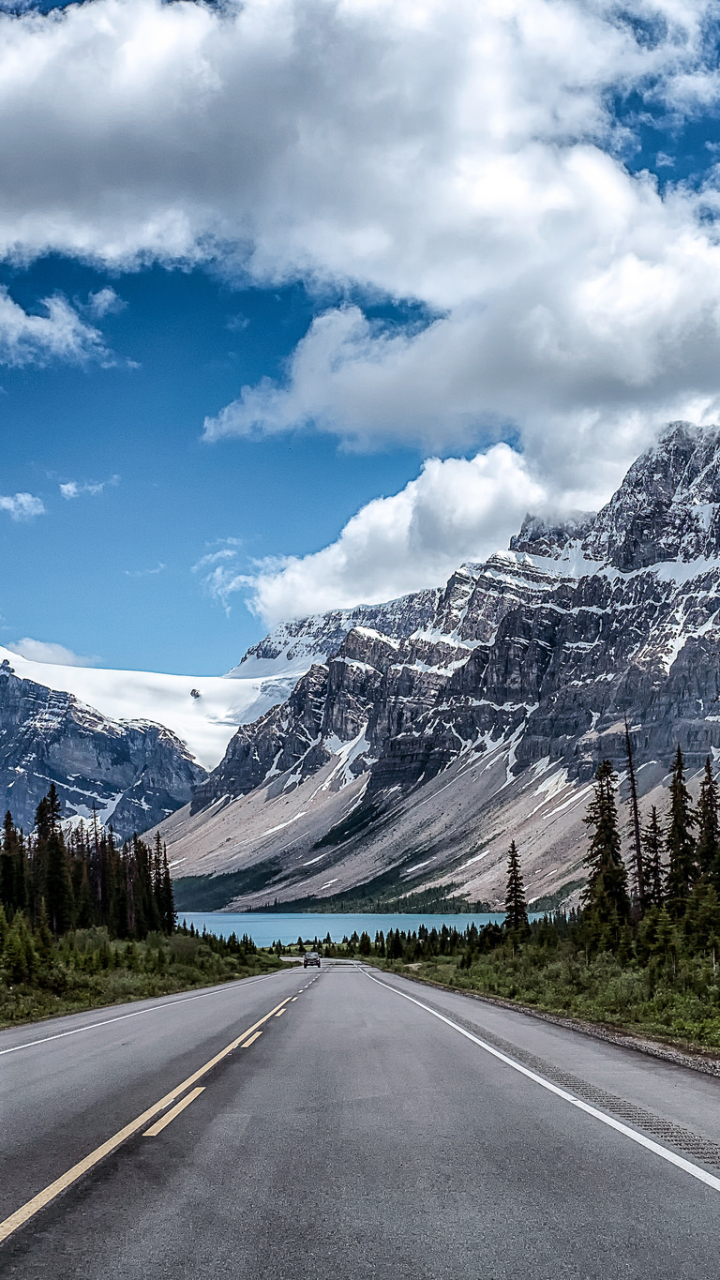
408	760
133	773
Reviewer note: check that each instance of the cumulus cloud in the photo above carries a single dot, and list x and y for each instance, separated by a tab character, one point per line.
48	651
60	334
466	156
23	506
456	510
73	488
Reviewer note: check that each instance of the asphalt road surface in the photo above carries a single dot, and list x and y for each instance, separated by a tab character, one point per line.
347	1124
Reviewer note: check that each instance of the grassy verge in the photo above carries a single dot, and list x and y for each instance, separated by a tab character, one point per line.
681	1009
86	970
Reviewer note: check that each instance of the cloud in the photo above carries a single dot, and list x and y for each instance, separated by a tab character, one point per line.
73	488
145	573
214	557
105	303
456	510
60	334
467	157
47	651
23	506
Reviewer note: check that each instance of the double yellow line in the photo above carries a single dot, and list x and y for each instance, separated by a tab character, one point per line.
43	1198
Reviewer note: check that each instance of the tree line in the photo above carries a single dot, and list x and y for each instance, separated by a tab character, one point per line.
82	879
672	867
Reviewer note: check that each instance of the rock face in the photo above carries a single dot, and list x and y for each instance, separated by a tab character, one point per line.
524	669
320	635
135	772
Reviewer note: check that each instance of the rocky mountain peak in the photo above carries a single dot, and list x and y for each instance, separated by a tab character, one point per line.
543	536
667	507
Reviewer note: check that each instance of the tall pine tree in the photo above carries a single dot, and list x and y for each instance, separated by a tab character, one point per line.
682	868
708	829
653	867
635	838
605	896
516	917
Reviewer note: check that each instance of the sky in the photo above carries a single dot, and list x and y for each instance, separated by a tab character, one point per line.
302	304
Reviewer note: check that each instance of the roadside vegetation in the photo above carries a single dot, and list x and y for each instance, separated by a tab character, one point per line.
640	954
84	923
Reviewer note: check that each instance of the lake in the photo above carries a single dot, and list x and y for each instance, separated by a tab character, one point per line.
267	927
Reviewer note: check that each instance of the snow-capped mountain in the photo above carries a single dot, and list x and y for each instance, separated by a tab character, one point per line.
135	744
132	773
413	756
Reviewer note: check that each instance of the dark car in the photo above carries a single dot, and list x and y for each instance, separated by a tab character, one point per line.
311	957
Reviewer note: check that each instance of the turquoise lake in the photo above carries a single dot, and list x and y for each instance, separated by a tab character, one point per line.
267	927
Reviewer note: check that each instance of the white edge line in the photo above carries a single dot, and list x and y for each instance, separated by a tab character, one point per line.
155	1008
679	1161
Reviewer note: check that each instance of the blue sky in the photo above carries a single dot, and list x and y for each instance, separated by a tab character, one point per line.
337	293
110	574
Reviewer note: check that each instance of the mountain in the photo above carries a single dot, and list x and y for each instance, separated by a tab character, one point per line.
133	773
407	759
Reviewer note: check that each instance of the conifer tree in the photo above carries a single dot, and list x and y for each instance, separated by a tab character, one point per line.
605	896
682	869
636	842
653	868
516	918
708	840
54	864
167	905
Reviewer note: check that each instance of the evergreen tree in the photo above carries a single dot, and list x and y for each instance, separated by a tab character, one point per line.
708	840
605	896
682	869
516	918
653	868
167	902
636	842
58	886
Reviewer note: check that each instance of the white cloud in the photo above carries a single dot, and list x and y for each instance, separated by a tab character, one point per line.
60	334
455	510
461	154
23	506
47	651
145	573
105	303
214	557
73	488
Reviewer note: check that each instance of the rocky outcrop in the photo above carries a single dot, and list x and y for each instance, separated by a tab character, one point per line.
134	773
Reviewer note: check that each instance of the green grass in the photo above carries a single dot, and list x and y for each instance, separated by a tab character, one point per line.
681	1007
87	972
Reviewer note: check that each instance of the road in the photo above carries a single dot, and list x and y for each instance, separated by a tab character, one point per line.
362	1125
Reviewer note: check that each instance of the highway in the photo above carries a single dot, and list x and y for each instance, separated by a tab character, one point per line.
345	1124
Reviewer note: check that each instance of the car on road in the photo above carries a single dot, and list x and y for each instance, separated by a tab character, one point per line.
311	957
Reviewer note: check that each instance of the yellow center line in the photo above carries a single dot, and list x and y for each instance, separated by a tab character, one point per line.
43	1198
159	1125
279	1013
252	1039
293	999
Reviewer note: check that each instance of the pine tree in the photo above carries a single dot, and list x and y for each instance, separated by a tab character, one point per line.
53	870
167	912
708	840
682	869
605	896
516	918
653	868
636	842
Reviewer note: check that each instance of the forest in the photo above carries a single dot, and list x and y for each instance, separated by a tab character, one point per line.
85	922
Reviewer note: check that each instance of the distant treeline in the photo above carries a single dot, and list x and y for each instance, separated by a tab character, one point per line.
84	880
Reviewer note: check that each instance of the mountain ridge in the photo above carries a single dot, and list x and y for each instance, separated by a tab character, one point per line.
530	662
